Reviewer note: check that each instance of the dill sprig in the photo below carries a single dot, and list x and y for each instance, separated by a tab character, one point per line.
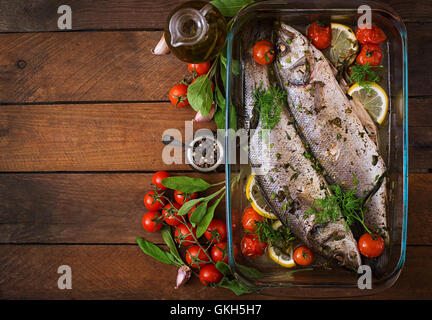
364	75
269	103
347	203
280	237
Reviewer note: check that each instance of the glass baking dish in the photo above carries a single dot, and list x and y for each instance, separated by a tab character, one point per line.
319	282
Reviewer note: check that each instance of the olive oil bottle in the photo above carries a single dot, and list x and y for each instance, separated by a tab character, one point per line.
196	31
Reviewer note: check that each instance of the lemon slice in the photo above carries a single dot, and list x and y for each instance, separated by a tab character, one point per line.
255	197
344	45
283	257
374	99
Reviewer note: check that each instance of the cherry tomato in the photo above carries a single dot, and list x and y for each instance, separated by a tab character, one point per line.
183	235
251	247
320	35
196	257
303	256
219	252
371	54
199	68
371	245
250	216
151	221
210	275
158	177
372	36
263	52
153	201
182	197
216	231
178	95
170	216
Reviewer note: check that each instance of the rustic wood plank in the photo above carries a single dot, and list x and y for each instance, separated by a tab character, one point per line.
97	137
419	112
107	208
124	272
118	66
89	66
34	16
78	208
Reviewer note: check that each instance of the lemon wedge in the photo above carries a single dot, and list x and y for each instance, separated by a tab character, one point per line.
344	45
283	257
374	99
255	197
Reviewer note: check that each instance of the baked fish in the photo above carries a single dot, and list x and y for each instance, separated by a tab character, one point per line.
330	125
287	179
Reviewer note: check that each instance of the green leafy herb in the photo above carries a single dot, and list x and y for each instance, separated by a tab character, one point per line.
157	253
186	184
166	235
205	221
200	95
229	8
269	103
280	237
249	272
364	75
198	213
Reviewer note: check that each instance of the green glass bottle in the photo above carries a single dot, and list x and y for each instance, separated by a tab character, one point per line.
196	31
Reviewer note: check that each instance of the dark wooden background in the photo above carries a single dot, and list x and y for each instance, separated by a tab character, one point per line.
81	116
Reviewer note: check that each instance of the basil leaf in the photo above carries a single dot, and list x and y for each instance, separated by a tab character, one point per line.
223	268
205	221
166	235
200	95
186	184
219	118
250	273
198	213
155	252
219	98
236	286
188	205
229	8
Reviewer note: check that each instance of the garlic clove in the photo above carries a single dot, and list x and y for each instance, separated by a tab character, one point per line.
161	48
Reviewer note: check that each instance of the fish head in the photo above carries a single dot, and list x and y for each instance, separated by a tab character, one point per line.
294	55
336	243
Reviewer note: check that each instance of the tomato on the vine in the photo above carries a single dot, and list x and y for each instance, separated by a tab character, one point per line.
320	35
170	215
178	95
216	231
373	35
154	201
219	252
199	68
182	197
210	275
151	221
249	218
303	256
370	53
263	52
371	245
251	246
196	257
158	177
183	236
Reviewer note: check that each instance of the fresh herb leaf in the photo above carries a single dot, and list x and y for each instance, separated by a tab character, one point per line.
281	237
229	8
223	268
364	75
155	252
200	95
205	221
237	286
269	103
166	235
186	184
198	213
250	273
184	209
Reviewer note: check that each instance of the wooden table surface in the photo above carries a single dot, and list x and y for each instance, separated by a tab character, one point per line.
81	118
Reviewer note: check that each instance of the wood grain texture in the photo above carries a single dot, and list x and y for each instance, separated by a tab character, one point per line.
107	208
97	137
118	66
78	208
124	272
89	66
34	16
